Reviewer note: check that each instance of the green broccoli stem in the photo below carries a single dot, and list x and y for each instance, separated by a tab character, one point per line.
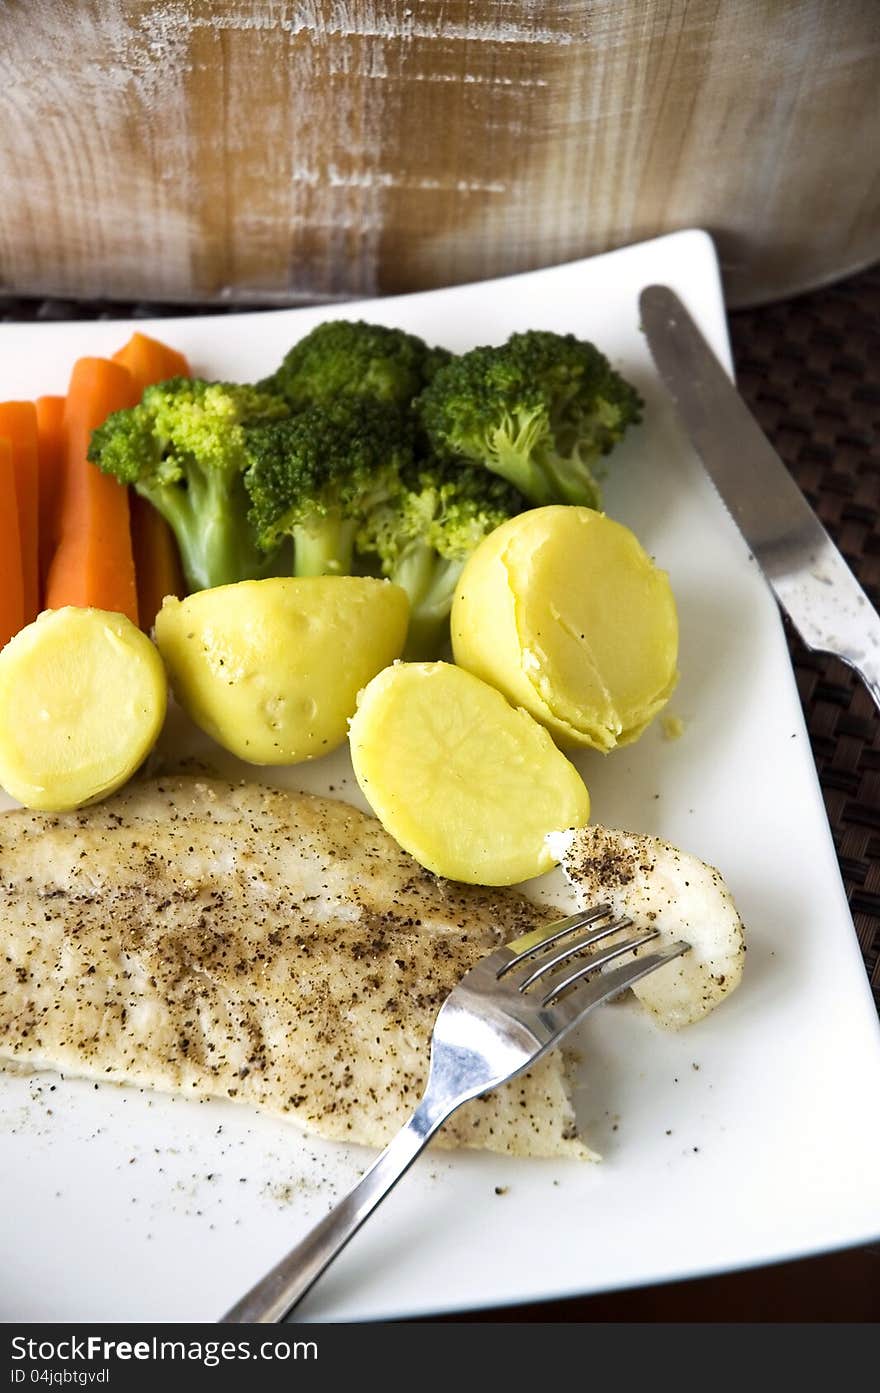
208	517
426	636
325	547
429	580
514	452
572	480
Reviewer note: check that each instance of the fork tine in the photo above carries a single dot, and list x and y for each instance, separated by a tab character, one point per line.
594	963
537	941
572	949
608	984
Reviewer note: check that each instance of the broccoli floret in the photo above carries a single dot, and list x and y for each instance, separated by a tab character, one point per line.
423	534
343	358
314	477
182	448
539	410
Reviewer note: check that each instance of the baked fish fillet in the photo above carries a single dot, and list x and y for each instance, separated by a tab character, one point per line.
235	941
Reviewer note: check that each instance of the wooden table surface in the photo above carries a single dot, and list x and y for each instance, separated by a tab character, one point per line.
842	1286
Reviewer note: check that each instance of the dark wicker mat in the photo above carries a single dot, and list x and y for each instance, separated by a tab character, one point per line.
810	369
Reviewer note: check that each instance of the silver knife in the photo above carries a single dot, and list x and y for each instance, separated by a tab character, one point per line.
804	569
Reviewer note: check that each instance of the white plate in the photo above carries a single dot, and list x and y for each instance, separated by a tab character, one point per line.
748	1138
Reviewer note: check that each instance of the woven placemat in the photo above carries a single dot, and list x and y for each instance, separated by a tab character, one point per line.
810	370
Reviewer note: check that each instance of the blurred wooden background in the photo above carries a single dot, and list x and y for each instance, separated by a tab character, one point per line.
279	151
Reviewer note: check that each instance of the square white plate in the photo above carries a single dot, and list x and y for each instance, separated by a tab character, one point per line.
748	1138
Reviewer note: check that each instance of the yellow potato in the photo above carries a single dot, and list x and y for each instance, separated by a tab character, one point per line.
272	668
82	700
465	783
564	612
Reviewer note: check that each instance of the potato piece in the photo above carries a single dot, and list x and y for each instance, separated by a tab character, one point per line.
272	668
465	783
661	887
565	613
82	700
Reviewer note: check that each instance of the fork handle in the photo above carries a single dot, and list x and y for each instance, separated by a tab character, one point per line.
287	1283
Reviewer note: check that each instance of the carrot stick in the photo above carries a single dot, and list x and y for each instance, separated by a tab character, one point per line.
93	563
18	425
150	361
11	579
156	560
50	473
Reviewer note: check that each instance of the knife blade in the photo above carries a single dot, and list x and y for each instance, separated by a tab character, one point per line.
810	579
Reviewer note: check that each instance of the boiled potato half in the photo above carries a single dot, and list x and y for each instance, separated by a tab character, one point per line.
564	612
82	700
467	784
272	668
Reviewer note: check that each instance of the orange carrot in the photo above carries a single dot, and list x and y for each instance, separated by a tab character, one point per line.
18	425
93	563
156	560
11	579
150	361
50	472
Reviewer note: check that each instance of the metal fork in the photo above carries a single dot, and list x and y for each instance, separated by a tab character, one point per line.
505	1013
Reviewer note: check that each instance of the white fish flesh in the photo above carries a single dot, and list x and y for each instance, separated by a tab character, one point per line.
664	888
228	940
